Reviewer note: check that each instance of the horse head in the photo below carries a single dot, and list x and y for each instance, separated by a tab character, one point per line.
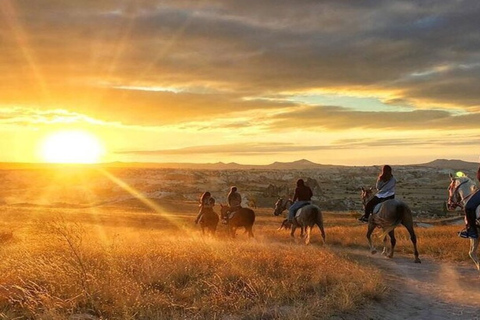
459	190
366	194
278	207
224	211
281	206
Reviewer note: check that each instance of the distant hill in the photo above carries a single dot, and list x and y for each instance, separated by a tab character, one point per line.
450	164
299	164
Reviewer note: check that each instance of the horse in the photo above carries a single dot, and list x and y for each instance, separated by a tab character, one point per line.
305	218
459	191
243	217
209	221
391	213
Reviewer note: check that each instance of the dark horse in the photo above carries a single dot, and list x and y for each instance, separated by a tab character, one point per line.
391	213
306	218
244	217
209	221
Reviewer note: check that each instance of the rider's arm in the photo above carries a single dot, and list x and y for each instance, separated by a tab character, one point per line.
295	196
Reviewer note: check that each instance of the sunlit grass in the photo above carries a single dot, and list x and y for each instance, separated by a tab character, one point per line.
55	264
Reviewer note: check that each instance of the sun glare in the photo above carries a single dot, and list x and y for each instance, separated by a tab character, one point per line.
71	147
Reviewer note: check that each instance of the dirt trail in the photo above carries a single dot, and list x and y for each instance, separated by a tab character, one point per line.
430	290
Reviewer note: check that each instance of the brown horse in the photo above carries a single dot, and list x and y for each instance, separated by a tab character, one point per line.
391	213
243	217
306	218
209	221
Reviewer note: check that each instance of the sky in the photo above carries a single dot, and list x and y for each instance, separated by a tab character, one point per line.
335	82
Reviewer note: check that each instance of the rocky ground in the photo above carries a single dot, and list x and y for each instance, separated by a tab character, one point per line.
336	188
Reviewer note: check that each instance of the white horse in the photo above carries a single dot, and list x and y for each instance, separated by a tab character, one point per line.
306	218
459	191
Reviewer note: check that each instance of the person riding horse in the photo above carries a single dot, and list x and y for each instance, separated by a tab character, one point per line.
302	197
206	202
234	201
386	190
470	208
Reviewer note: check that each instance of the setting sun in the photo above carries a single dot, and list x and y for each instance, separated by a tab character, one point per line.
71	147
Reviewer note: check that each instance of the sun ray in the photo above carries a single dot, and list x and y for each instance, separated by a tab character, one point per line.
10	17
141	197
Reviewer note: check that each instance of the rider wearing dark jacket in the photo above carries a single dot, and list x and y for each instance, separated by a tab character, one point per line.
303	195
471	215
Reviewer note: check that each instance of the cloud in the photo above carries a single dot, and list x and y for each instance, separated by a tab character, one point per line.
338	118
73	54
267	148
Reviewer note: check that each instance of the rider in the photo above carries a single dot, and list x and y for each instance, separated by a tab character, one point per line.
386	190
303	195
206	201
470	230
234	199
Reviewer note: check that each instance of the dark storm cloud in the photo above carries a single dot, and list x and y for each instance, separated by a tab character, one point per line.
69	52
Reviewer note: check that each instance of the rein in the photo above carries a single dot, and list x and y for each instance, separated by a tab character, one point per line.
457	195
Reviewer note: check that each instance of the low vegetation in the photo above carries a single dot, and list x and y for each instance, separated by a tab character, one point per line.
124	263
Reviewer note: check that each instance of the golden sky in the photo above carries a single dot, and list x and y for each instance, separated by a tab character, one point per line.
336	82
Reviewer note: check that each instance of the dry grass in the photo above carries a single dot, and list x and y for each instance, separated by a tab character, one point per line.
124	263
117	263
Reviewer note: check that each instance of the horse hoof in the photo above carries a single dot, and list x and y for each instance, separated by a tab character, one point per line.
373	251
418	260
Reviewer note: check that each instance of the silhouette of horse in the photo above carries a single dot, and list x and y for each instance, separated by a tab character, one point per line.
459	191
306	218
209	221
243	217
390	214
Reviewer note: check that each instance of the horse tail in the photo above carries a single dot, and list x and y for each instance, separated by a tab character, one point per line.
400	211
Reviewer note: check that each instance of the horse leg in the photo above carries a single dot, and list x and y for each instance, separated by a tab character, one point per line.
413	237
292	233
385	248
322	231
371	227
308	230
393	242
233	231
473	252
250	232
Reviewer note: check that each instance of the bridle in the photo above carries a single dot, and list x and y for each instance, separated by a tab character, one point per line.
280	206
367	195
454	198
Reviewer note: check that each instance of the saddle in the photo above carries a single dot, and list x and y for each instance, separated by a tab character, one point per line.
376	209
297	212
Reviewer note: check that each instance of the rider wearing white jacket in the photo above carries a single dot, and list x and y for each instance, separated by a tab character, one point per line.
386	190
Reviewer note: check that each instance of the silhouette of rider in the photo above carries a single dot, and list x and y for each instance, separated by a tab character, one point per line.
303	196
206	202
234	199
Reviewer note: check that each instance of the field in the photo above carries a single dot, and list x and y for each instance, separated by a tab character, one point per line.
137	262
82	245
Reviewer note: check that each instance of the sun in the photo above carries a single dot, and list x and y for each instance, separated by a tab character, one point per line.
71	147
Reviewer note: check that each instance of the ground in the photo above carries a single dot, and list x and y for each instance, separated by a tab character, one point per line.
430	290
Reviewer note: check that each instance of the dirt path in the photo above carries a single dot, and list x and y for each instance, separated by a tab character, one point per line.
430	290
